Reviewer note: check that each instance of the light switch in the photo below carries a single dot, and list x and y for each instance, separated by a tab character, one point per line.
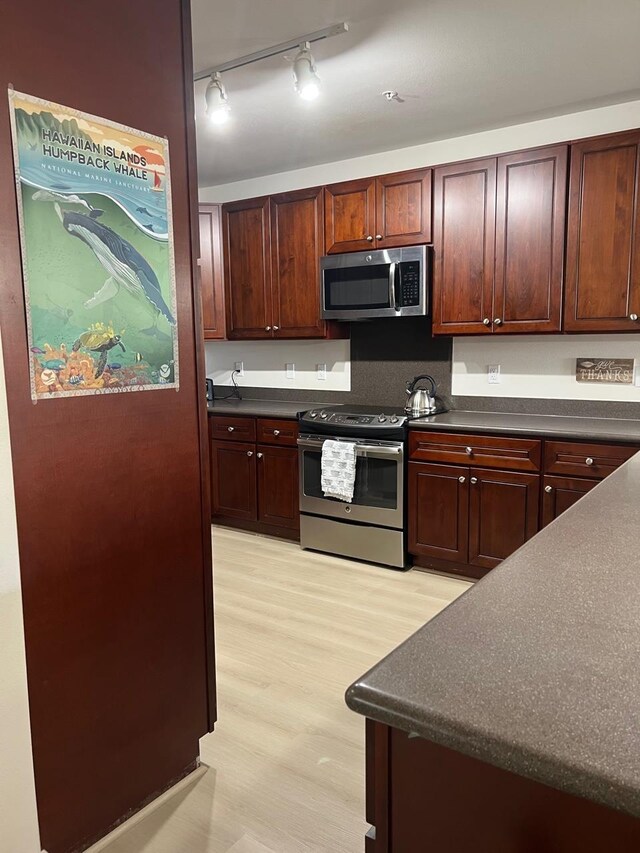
291	370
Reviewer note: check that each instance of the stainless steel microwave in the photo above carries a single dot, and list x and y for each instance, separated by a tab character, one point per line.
366	285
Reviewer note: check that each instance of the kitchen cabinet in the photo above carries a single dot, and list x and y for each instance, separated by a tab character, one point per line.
254	474
499	243
438	515
247	266
503	514
210	265
384	212
603	237
559	493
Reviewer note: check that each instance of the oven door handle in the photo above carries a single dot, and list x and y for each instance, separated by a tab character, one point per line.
316	444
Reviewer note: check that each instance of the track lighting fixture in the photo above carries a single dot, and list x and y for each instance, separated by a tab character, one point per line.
306	80
217	100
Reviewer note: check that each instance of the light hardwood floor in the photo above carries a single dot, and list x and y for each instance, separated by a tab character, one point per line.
286	761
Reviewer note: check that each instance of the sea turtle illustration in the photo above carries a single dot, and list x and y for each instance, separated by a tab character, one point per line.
99	338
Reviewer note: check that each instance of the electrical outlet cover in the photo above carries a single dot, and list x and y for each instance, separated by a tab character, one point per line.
239	366
291	370
322	371
493	374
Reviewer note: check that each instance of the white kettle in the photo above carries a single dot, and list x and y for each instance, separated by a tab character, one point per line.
421	401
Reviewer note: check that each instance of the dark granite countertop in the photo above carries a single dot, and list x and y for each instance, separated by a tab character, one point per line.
556	426
261	408
536	669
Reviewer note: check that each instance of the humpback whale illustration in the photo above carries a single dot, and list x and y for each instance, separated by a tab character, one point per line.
124	264
51	195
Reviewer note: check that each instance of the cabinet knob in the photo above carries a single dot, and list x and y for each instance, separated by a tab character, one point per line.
468	451
230	429
275	328
474	480
249	452
259	455
369	238
267	328
379	237
588	461
498	321
548	489
276	432
461	479
633	317
486	322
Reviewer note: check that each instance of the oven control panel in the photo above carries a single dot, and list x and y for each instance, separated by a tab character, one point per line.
346	419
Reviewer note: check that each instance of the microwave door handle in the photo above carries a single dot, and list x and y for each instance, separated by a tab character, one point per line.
393	272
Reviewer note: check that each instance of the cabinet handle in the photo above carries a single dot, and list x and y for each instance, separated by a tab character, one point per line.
633	317
498	321
369	238
548	489
230	429
249	452
276	432
468	451
461	479
474	480
259	455
267	328
588	461
275	328
486	322
379	237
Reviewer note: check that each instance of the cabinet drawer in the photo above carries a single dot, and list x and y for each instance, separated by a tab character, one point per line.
488	451
277	432
232	429
578	459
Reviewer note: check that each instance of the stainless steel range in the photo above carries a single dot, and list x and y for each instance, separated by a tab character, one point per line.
372	526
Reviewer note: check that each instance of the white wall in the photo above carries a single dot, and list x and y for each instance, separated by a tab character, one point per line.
546	370
18	816
503	139
264	363
540	366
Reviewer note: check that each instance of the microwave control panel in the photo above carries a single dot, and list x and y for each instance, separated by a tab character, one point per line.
409	284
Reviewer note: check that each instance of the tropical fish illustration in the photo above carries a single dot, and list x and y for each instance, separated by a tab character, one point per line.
50	195
115	365
138	356
124	264
55	364
37	351
99	338
76	379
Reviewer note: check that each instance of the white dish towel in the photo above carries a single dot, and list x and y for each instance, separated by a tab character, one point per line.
338	469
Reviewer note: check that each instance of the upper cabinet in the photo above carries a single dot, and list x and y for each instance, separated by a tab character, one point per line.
499	243
383	213
273	247
247	266
210	265
603	241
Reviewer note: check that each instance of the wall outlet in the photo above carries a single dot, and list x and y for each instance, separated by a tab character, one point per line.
291	370
322	371
239	366
493	374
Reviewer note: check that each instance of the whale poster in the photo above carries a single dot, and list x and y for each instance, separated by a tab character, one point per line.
94	203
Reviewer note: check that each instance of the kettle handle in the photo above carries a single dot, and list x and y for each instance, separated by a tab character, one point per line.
412	383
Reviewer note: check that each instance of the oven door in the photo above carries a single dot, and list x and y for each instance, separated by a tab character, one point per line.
378	496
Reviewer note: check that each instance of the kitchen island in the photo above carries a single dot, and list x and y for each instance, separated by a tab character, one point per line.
511	721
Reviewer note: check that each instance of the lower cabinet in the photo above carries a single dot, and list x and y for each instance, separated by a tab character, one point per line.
559	493
469	517
255	486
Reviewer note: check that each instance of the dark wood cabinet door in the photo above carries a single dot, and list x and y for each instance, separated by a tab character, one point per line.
247	265
559	493
211	266
603	239
403	209
464	212
278	486
503	514
349	216
438	511
530	224
233	480
297	243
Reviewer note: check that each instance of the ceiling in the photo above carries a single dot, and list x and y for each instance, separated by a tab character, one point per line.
461	66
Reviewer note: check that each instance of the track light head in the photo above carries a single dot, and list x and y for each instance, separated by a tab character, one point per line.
217	100
307	82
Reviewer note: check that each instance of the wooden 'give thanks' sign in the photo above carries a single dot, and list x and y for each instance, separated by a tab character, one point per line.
615	371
